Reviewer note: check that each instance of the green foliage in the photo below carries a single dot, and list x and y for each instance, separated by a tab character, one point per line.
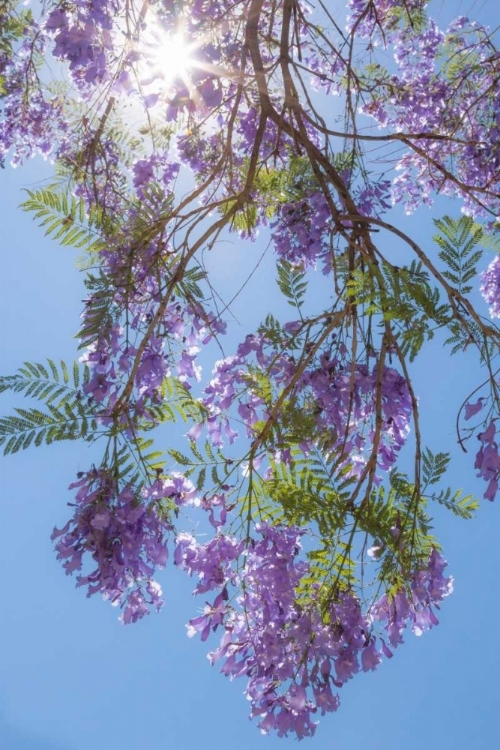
380	514
152	214
292	284
64	219
133	463
462	506
331	569
67	415
271	188
405	536
434	467
403	296
245	219
12	27
397	517
46	384
189	286
101	312
491	241
372	73
181	401
28	426
461	337
272	330
405	16
298	422
159	133
311	490
200	465
275	186
458	248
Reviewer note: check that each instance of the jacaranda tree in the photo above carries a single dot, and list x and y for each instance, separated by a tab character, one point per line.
171	125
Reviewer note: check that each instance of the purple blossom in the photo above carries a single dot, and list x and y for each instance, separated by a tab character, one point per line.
488	460
472	409
428	588
289	653
490	287
125	539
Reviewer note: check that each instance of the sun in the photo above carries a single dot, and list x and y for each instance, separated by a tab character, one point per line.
169	57
175	68
174	55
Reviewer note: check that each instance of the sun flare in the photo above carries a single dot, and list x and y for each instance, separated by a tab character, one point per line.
172	57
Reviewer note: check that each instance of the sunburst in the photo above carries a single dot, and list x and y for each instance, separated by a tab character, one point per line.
171	57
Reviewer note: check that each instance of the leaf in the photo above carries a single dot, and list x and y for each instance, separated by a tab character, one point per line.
463	507
62	221
434	466
292	284
458	240
66	416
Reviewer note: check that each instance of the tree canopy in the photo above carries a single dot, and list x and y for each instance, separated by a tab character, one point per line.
172	126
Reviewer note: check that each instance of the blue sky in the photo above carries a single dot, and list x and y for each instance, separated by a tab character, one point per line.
73	678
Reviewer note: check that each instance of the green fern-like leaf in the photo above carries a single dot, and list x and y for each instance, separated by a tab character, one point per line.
434	467
292	283
67	415
64	219
52	385
458	248
34	426
461	506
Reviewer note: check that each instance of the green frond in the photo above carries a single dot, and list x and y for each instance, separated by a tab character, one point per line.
189	286
178	401
101	311
332	569
457	242
27	426
272	330
292	283
463	507
63	218
180	458
311	490
52	385
152	214
434	467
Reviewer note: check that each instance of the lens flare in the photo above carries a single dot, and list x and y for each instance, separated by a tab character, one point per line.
173	55
169	57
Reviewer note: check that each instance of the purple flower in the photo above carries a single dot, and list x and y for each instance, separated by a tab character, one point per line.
125	540
472	409
490	287
370	656
151	371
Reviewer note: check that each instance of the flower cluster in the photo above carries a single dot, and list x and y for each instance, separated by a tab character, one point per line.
82	36
357	406
123	535
348	398
370	20
428	588
490	287
488	460
293	654
31	120
172	348
452	115
300	234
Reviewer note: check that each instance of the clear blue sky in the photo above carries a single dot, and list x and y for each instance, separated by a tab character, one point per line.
73	678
